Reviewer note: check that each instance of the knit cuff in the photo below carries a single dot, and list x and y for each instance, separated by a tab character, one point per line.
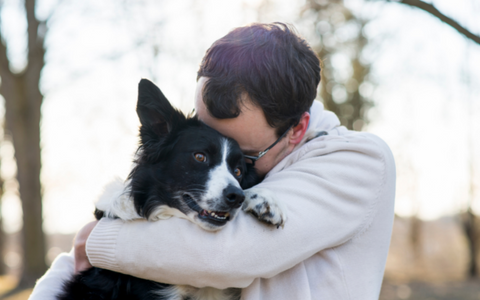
102	244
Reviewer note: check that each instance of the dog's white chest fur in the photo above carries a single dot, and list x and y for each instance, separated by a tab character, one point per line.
115	202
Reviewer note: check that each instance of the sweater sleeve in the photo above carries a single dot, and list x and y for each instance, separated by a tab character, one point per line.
330	194
50	284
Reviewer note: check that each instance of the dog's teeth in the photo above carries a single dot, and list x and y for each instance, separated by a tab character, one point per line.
213	214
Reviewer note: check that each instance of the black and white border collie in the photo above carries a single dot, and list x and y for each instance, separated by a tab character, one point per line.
183	168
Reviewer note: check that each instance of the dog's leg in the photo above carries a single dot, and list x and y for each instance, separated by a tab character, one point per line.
115	202
262	204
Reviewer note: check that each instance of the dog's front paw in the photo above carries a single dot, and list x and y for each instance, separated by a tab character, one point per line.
262	204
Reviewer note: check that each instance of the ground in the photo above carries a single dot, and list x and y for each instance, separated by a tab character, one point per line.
7	283
462	290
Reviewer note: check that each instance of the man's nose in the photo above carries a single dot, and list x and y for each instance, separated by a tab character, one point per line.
233	196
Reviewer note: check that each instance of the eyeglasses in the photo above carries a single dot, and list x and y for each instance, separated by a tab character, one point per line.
262	153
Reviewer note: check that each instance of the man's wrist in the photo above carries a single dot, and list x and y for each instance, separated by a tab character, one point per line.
101	245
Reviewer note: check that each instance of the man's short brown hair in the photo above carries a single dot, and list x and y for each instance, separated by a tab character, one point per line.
270	64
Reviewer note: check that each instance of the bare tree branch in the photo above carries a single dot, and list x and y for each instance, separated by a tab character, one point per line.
53	12
6	75
4	64
36	53
32	23
429	8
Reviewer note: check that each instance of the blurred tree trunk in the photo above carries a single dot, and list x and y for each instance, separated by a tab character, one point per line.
415	235
23	100
341	92
3	267
471	224
470	227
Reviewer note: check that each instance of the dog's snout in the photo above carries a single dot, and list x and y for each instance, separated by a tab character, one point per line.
234	196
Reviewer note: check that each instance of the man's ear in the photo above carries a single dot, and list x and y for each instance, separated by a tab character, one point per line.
157	116
299	130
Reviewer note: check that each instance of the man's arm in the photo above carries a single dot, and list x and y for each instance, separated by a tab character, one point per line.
330	193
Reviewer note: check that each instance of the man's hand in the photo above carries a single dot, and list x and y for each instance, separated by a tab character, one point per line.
81	260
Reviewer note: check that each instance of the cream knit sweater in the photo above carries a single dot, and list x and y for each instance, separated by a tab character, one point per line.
338	191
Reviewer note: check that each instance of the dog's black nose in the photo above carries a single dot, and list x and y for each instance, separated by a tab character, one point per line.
233	196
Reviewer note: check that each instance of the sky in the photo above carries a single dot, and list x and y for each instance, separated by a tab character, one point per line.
426	92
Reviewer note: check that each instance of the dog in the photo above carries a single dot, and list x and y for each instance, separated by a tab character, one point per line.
183	168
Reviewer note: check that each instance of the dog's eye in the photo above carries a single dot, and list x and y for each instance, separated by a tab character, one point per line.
200	157
237	172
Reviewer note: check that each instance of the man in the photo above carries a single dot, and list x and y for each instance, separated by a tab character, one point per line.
257	85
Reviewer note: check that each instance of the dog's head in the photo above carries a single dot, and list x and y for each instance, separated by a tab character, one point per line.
184	166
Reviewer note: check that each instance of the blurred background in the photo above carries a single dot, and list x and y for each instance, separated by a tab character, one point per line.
406	70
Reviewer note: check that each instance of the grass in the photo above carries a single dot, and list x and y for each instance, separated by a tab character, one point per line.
8	283
23	295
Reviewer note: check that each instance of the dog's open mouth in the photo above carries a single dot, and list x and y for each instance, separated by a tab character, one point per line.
218	218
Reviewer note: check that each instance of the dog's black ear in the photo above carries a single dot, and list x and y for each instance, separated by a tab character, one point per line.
98	214
157	116
250	177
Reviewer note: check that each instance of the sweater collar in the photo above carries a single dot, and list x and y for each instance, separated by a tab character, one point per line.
320	120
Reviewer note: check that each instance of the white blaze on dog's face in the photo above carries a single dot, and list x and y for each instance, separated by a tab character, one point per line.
220	177
223	194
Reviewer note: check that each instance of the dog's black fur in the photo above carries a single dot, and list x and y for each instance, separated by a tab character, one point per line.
168	172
